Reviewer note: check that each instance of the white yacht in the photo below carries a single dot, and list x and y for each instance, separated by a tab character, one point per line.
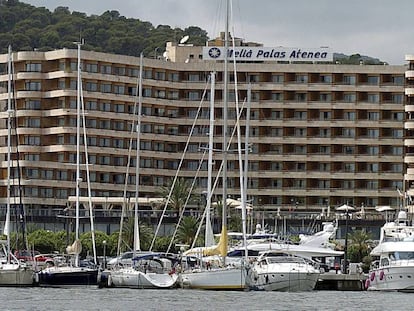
281	271
394	268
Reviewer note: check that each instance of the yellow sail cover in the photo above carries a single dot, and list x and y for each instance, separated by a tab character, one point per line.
221	247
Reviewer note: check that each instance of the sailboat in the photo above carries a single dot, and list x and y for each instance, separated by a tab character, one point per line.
72	273
223	277
12	271
149	270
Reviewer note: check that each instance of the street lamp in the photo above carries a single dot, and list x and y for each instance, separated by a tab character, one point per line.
104	253
155	52
346	208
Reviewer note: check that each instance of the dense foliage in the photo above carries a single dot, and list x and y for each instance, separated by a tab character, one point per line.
26	28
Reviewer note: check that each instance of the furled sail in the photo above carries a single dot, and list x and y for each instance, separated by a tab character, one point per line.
75	248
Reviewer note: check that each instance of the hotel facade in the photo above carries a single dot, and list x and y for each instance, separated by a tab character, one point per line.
320	134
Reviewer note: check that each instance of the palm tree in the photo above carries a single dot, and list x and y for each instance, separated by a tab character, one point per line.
145	234
179	194
359	247
187	230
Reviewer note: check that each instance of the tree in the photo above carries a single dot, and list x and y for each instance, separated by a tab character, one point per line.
359	246
179	195
187	230
145	234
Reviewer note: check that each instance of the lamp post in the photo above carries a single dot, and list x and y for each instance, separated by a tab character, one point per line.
104	253
155	52
345	208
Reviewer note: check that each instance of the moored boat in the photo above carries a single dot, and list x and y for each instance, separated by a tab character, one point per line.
281	271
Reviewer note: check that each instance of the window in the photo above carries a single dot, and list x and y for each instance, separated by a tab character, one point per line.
300	115
324	149
32	140
119	108
194	77
373	98
324	167
302	78
349	149
324	132
106	69
193	95
91	86
398	116
398	80
104	142
325	97
34	67
33	122
372	150
349	80
373	80
397	133
91	105
324	115
105	106
373	115
323	184
325	78
119	89
348	132
278	78
300	149
372	167
349	115
277	115
91	68
397	150
300	132
277	96
349	97
33	86
397	98
349	167
33	104
301	97
373	133
276	132
106	88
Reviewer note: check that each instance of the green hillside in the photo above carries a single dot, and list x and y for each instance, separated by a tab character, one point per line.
27	27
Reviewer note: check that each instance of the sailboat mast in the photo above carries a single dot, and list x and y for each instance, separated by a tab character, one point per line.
78	178
9	114
137	245
225	127
209	239
246	168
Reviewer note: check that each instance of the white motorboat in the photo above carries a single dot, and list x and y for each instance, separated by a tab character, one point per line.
148	271
281	271
394	269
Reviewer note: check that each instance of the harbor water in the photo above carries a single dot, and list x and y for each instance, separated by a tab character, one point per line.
92	298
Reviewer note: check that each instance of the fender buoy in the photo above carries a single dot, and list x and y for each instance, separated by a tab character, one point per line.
382	274
372	276
367	283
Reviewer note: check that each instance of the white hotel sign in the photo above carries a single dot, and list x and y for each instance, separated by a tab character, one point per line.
246	53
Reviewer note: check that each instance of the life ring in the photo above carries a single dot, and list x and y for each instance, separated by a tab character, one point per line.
367	283
372	276
382	274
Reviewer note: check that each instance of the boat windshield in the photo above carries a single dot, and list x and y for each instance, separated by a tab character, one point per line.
402	256
283	259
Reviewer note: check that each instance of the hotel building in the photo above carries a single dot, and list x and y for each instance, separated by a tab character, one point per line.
321	134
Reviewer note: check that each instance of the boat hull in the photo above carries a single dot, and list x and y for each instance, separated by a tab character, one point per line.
20	276
132	278
215	279
67	276
288	282
393	278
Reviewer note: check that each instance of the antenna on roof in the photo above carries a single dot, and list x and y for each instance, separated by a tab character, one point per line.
184	39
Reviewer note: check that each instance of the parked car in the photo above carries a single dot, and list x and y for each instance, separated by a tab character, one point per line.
25	255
